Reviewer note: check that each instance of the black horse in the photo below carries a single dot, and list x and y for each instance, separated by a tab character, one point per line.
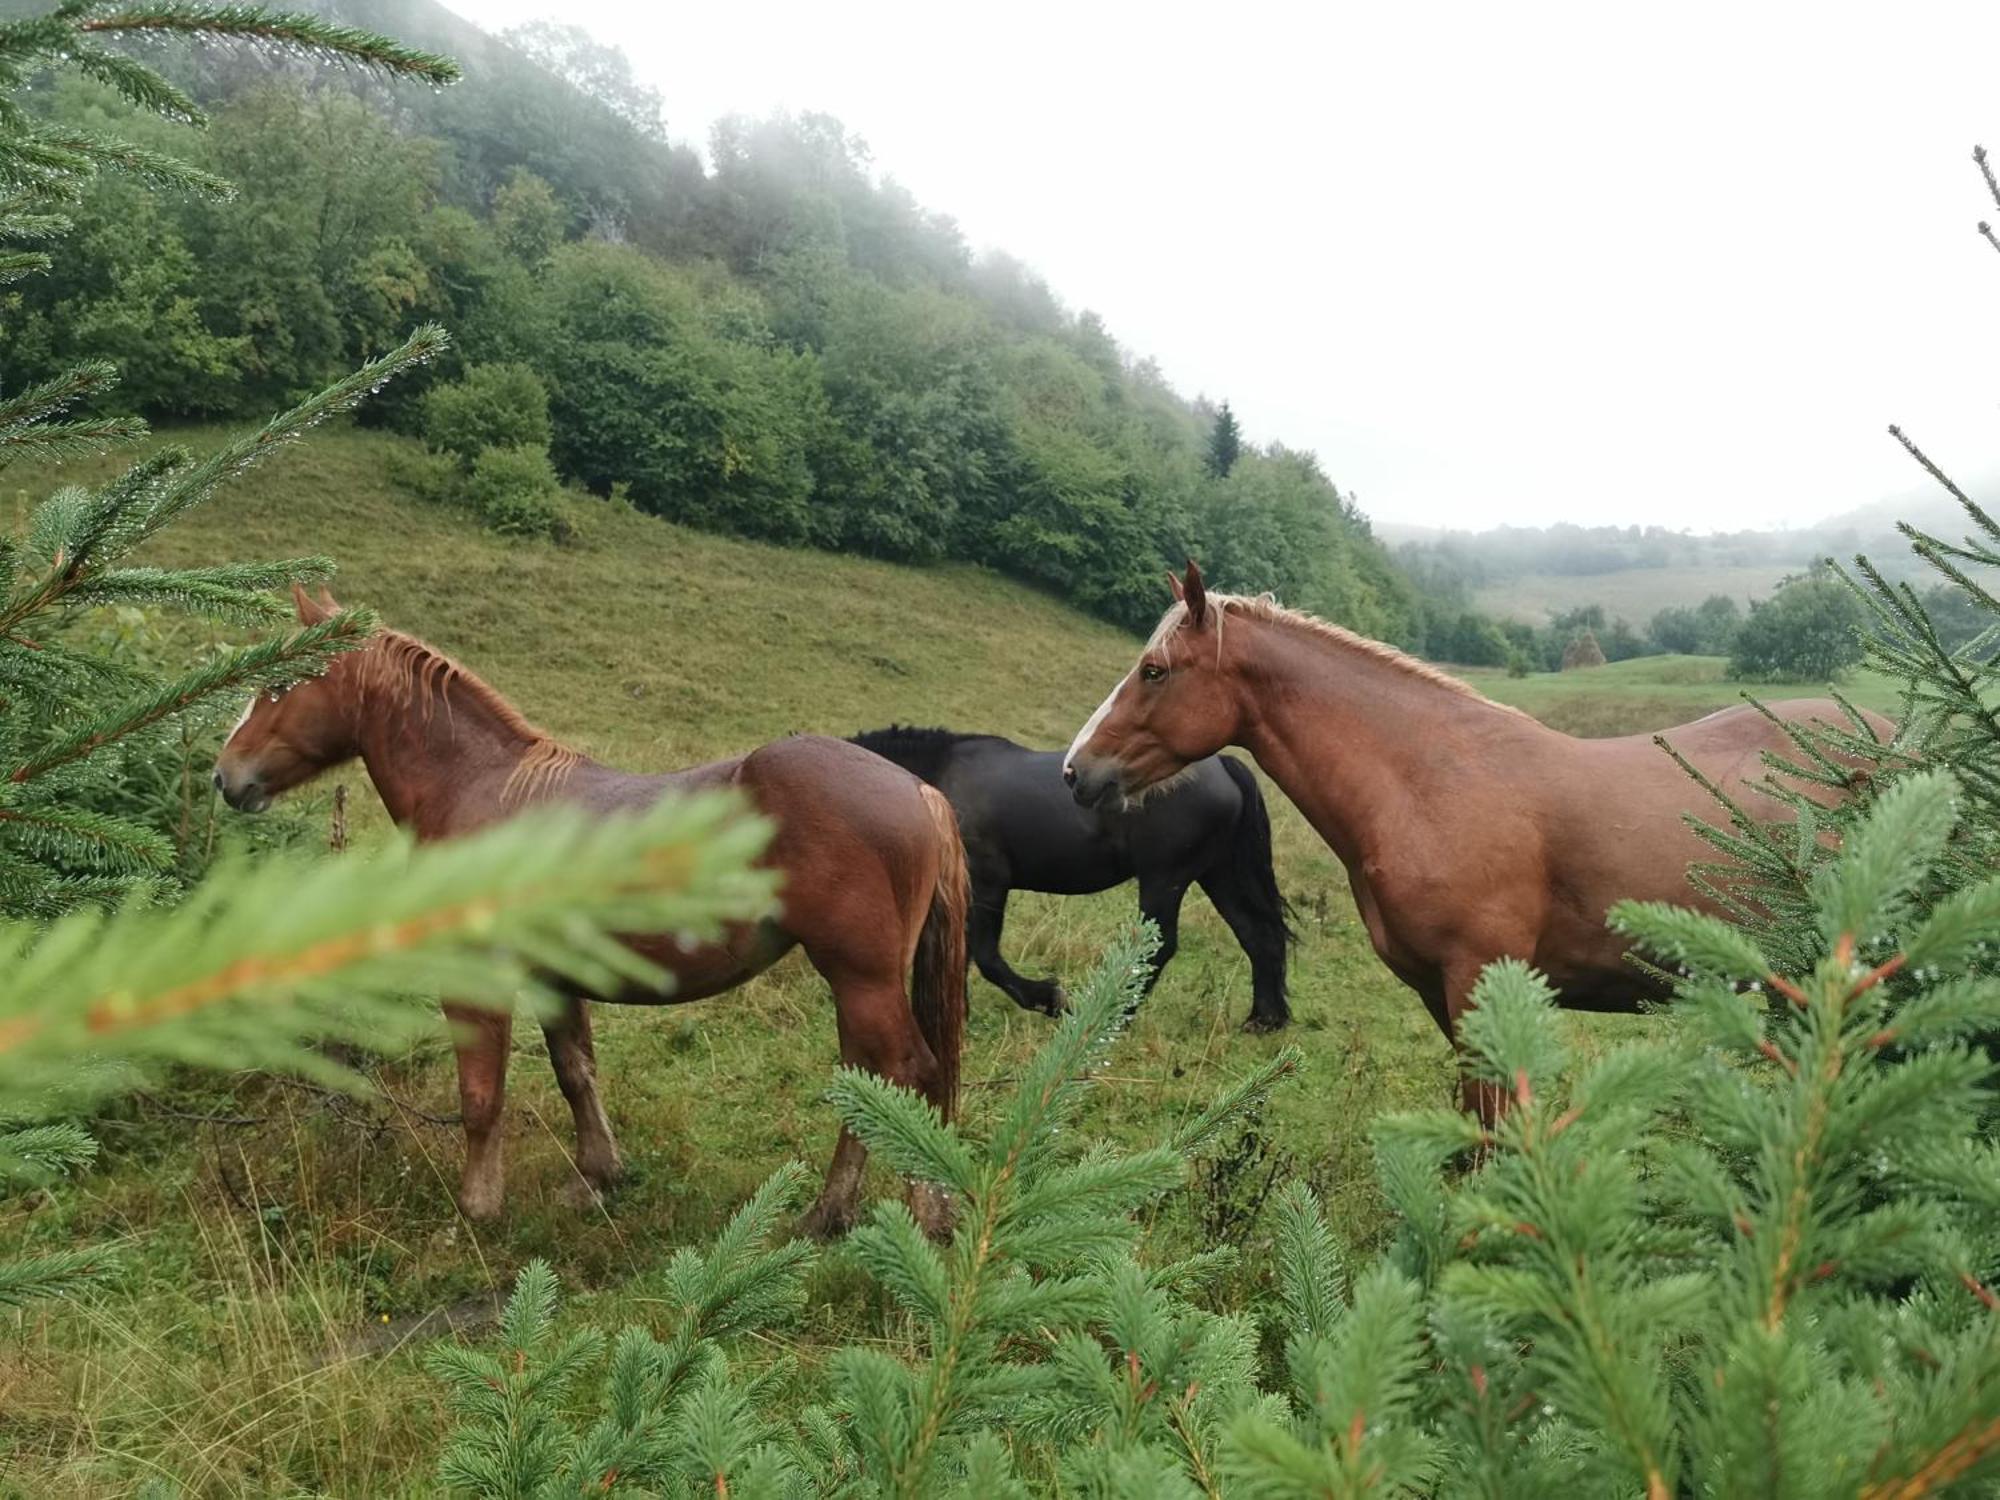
1023	829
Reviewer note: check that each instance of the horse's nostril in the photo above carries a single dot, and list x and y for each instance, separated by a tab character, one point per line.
217	779
1069	775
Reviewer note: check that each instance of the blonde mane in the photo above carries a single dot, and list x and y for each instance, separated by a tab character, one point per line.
1267	609
408	673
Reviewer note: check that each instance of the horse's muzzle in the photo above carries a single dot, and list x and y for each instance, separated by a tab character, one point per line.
245	794
1090	785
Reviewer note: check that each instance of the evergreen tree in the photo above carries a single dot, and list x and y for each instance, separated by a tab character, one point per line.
1752	1253
1752	1257
1938	645
1043	1336
66	708
1225	443
268	955
261	957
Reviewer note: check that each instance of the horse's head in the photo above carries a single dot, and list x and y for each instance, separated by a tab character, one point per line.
289	735
1177	706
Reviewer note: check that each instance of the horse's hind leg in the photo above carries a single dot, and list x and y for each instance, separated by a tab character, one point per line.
1263	943
575	1061
984	923
481	1042
877	1032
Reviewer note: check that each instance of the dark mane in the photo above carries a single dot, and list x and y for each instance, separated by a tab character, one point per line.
921	752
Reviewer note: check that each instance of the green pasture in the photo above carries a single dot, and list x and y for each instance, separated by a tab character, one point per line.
285	1252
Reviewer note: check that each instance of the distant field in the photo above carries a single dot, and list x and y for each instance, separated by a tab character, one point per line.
1653	692
1635	593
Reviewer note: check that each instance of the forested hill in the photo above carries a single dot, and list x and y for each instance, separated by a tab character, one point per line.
780	344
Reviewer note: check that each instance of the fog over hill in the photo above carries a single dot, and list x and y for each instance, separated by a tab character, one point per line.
1499	554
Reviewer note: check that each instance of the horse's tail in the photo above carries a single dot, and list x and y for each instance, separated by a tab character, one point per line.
937	988
1249	856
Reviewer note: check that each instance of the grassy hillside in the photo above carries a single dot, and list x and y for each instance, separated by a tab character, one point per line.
288	1253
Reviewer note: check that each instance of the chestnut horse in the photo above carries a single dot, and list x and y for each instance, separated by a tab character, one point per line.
874	881
1469	831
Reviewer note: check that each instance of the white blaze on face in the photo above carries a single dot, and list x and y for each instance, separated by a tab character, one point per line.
1090	727
241	719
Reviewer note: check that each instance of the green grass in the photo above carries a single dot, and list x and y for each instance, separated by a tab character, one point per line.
243	1349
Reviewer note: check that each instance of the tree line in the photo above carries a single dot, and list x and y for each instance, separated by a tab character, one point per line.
1568	549
783	347
1810	629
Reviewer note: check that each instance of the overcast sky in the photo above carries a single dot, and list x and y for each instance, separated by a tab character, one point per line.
1531	262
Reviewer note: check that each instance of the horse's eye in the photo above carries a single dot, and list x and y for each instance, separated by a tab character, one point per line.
1151	671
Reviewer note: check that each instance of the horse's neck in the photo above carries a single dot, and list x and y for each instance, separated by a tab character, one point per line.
1357	741
441	759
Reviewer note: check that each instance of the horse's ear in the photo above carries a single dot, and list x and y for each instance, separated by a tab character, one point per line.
327	602
1174	583
311	612
1194	594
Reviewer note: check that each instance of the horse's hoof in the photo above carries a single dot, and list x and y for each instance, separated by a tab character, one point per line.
581	1195
1046	998
823	1222
479	1204
1262	1025
931	1207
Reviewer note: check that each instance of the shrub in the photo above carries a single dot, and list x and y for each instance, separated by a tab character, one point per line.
492	406
1708	629
679	393
516	492
1809	631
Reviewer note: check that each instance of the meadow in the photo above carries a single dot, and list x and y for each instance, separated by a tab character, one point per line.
1635	594
286	1252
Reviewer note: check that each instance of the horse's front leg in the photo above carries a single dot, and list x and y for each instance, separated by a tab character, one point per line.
575	1062
1160	903
481	1038
1476	1096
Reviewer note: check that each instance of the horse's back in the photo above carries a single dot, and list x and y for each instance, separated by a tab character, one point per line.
1616	826
1729	745
844	815
828	799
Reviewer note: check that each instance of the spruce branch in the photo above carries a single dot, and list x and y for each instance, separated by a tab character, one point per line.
296	31
56	1273
83	836
200	481
1970	506
70	152
135	81
267	953
1986	171
237	673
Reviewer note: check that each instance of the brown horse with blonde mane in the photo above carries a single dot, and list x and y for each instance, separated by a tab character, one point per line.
874	881
1469	831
